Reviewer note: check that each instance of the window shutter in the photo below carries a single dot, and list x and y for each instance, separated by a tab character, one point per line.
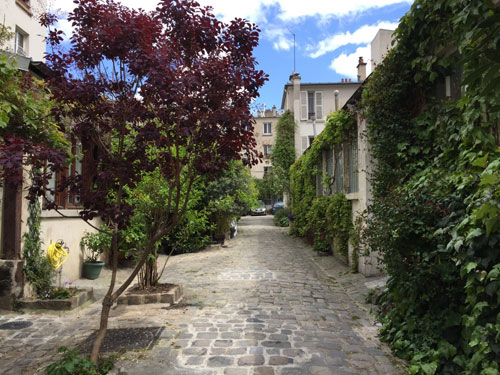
303	105
304	143
319	105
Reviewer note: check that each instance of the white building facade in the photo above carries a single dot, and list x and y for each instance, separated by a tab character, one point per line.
22	18
311	103
265	134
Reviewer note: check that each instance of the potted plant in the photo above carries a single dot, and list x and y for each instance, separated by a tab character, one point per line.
94	245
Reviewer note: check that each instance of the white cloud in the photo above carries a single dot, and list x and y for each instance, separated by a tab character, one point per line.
254	10
258	11
363	35
65	26
345	65
292	9
282	38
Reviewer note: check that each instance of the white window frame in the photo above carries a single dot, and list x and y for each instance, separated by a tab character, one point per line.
304	105
304	108
21	49
318	108
268	131
267	150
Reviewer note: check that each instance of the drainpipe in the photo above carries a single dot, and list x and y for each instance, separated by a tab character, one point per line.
313	117
336	100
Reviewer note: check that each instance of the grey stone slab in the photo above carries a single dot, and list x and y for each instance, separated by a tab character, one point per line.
263	371
276	344
280	361
251	360
219	361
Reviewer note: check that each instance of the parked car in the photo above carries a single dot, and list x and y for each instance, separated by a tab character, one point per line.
277	206
259	210
234	228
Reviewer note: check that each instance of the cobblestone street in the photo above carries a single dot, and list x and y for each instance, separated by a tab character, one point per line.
258	306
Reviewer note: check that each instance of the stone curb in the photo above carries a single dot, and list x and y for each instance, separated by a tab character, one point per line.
75	301
172	297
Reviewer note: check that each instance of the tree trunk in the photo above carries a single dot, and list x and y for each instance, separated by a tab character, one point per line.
148	276
103	327
111	295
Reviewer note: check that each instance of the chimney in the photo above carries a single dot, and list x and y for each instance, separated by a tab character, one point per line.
361	69
295	80
342	80
294	76
274	111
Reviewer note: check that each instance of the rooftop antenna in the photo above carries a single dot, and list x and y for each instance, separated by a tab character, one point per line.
291	32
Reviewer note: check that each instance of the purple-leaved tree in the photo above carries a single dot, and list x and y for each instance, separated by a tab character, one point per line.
168	91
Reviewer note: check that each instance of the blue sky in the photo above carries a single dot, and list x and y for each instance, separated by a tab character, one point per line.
330	34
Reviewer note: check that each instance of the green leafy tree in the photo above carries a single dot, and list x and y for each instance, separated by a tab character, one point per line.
234	185
283	155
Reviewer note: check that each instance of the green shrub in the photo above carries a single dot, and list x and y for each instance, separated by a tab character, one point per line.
37	268
73	364
317	226
280	218
338	216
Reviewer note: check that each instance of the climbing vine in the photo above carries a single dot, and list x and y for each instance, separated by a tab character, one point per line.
433	111
283	155
37	267
323	219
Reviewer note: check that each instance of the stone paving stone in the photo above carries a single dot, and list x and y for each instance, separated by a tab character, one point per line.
317	370
263	371
207	335
220	361
276	344
280	361
195	351
195	361
251	360
235	371
202	343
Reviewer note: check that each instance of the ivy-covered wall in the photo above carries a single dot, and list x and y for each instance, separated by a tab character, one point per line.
324	219
433	112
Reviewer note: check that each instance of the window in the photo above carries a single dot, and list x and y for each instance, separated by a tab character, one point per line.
25	5
267	150
268	128
21	43
267	170
339	172
319	179
303	105
311	105
66	199
329	168
310	140
353	166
